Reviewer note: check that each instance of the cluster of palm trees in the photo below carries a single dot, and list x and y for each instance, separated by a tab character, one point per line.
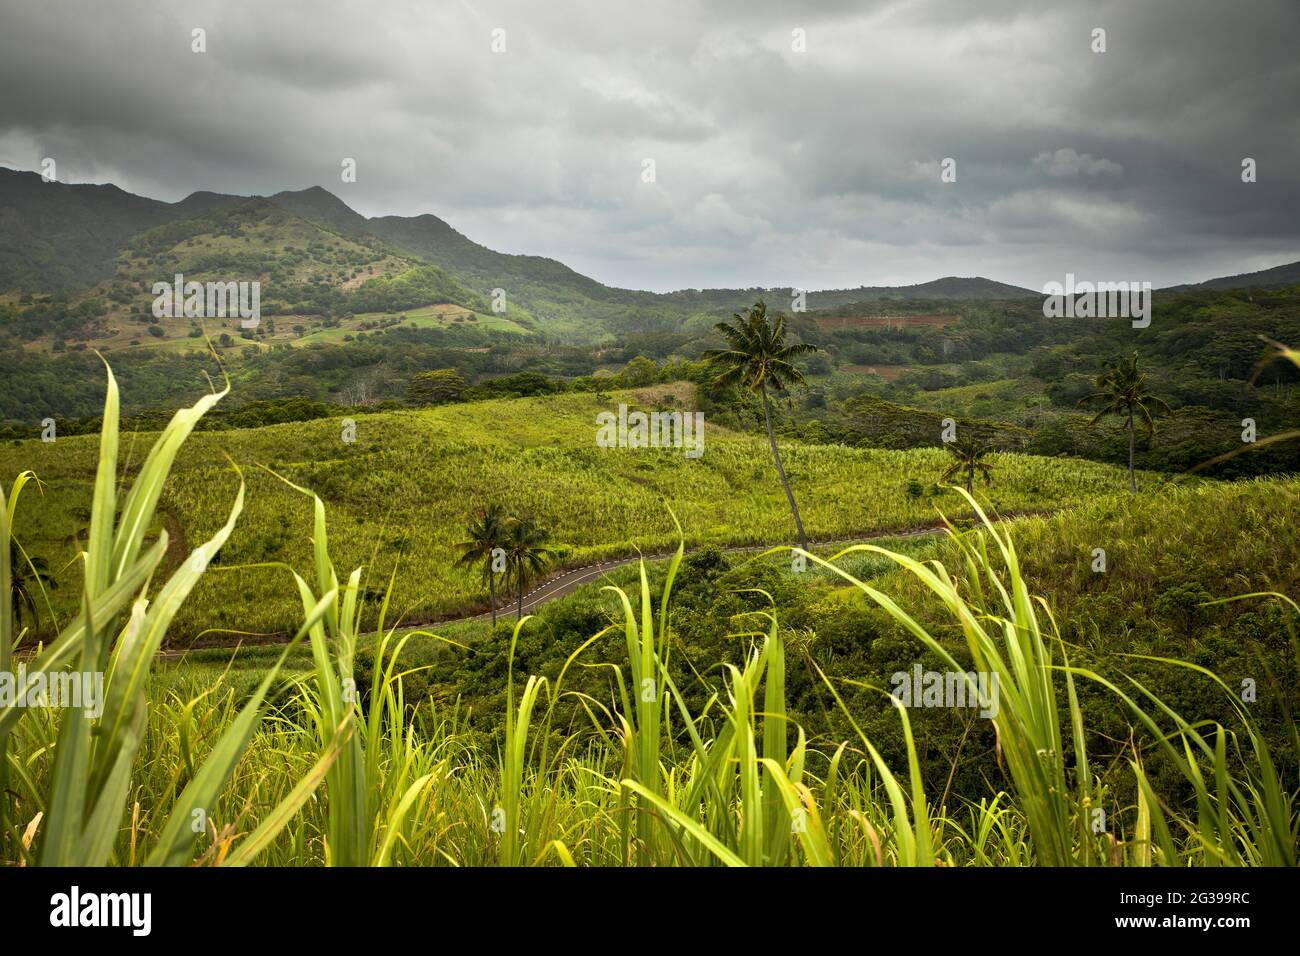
1120	390
758	359
500	543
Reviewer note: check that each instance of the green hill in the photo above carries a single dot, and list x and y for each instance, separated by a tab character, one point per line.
402	491
253	240
55	237
1274	278
72	238
305	270
951	288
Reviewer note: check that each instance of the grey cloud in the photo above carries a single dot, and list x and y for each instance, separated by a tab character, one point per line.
773	166
1069	162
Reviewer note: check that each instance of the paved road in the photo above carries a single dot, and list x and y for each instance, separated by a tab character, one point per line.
565	582
568	581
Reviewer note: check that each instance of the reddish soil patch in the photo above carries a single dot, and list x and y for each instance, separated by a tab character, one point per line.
888	372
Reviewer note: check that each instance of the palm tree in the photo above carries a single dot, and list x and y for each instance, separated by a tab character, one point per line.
487	537
526	553
30	575
969	456
758	359
1122	391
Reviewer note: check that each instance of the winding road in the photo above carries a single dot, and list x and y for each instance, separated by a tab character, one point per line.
564	582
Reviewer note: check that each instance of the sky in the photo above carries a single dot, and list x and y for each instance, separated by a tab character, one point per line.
793	144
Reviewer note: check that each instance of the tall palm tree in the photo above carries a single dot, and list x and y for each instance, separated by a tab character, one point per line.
970	455
526	553
30	575
759	360
1122	390
487	533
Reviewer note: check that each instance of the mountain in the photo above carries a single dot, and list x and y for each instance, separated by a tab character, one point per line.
61	237
56	237
1275	277
319	205
102	251
956	287
949	287
546	292
203	201
254	239
84	238
430	238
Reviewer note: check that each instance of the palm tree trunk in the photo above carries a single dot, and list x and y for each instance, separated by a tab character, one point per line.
970	481
1132	478
492	590
780	470
519	580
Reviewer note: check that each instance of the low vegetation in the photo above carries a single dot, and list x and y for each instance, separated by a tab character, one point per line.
343	764
398	494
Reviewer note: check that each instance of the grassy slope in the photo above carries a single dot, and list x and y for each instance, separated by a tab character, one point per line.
253	240
1170	555
428	317
1220	539
61	236
405	486
1005	399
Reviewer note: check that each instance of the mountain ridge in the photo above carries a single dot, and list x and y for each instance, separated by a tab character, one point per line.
68	238
1271	278
426	235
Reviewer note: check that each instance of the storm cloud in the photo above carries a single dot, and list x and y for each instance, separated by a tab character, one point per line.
793	144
